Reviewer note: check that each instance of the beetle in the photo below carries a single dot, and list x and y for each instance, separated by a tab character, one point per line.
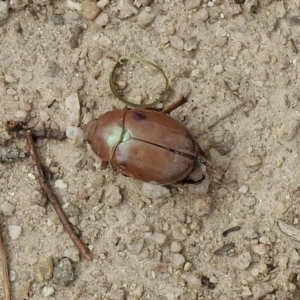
147	145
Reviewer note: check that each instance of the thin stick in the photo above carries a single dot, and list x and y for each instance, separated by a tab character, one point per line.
53	199
3	255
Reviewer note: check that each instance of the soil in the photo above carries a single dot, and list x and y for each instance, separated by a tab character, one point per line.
238	64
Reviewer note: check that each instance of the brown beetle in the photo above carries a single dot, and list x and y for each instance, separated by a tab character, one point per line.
146	145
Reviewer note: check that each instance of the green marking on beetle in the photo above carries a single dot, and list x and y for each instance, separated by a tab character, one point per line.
117	136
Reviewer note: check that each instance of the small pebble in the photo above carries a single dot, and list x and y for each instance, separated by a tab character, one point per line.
38	198
158	238
187	266
77	83
73	109
113	196
190	45
230	11
253	161
60	184
201	15
218	69
14	231
176	42
47	291
138	292
289	129
90	10
243	261
191	4
145	18
72	253
261	249
178	261
154	191
262	289
18	4
43	116
176	247
135	246
192	281
12	275
4	11
44	269
42	2
248	201
7	209
102	19
76	135
243	189
102	3
203	206
95	55
21	115
126	9
63	272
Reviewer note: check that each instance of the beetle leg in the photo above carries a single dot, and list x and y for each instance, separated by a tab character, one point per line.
173	106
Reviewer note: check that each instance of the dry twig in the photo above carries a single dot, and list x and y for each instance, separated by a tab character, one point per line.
4	269
53	199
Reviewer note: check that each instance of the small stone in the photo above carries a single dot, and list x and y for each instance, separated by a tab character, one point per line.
187	266
218	69
126	9
102	3
193	281
139	3
176	42
135	246
190	45
38	198
137	293
295	257
158	238
57	20
262	289
253	161
44	269
43	116
248	201
243	189
178	261
191	4
232	10
21	115
176	247
77	83
145	18
232	80
60	184
90	10
18	4
14	231
201	15
154	191
113	197
102	19
47	291
72	253
63	272
7	209
95	55
4	11
203	205
261	249
118	295
53	69
12	275
289	129
243	261
73	109
42	2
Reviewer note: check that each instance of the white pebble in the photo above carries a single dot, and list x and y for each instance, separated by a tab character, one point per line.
190	45
158	238
14	231
73	109
201	15
47	291
243	261
176	42
7	209
72	253
135	246
243	189
4	8
218	69
60	184
176	247
178	261
75	134
126	9
154	191
192	281
77	83
43	116
102	3
102	19
73	5
190	4
248	201
145	18
262	289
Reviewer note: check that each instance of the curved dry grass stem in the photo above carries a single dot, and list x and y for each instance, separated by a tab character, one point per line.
6	281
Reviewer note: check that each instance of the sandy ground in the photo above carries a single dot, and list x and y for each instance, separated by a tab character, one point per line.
239	58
